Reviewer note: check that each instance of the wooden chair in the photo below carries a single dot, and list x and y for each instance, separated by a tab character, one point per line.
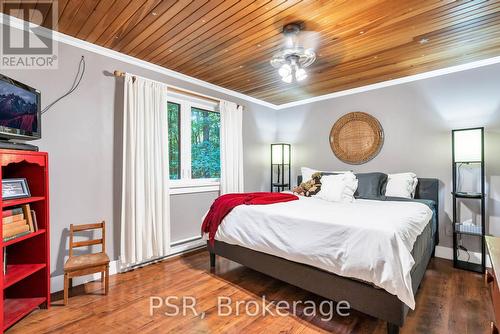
79	265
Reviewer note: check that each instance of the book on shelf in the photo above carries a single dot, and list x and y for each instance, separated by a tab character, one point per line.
27	213
14	225
17	222
11	219
11	212
16	236
35	222
15	231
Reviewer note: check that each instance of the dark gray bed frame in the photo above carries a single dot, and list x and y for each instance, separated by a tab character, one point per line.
361	296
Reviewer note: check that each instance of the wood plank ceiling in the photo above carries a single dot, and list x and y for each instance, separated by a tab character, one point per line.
229	43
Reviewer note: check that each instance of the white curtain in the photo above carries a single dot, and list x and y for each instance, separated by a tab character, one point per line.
231	147
145	216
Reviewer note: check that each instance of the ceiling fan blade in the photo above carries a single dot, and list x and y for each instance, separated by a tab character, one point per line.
309	39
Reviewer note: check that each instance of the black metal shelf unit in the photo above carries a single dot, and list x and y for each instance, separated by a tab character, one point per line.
460	229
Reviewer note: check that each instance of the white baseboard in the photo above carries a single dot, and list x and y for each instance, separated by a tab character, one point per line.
447	253
180	247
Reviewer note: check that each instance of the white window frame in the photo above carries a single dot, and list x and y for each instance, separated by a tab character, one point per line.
186	184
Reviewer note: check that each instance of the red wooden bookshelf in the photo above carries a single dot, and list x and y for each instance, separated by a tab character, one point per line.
26	285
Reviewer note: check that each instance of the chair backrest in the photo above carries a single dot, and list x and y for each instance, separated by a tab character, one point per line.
84	243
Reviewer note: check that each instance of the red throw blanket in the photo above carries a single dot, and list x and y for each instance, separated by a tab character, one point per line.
225	203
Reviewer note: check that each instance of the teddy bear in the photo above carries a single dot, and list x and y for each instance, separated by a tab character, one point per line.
310	187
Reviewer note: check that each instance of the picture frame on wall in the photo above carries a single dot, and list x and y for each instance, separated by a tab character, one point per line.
15	188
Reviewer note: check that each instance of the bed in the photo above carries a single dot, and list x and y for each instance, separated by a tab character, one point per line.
322	280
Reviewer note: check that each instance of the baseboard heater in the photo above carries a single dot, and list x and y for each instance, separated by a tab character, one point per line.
174	244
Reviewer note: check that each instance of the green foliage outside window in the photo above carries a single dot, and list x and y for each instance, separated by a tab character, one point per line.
174	144
205	144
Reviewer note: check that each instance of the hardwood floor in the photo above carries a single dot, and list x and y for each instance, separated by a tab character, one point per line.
449	301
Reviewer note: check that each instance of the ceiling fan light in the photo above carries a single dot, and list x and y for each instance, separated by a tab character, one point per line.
300	74
295	56
285	70
287	79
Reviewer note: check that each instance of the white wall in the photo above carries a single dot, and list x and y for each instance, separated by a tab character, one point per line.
417	119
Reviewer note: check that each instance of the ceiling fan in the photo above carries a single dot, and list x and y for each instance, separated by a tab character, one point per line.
297	52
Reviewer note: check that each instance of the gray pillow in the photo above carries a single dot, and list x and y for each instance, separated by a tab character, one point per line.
370	185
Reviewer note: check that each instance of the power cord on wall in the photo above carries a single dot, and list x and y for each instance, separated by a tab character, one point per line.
74	86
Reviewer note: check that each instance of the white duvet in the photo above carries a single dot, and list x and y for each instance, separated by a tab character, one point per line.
366	240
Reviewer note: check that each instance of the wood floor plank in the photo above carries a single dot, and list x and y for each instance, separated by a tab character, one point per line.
448	301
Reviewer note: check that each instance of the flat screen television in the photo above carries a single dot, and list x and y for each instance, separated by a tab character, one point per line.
20	112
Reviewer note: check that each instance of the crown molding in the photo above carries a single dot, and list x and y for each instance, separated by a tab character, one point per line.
63	38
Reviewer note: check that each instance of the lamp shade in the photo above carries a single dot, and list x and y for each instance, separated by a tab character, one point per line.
280	154
468	145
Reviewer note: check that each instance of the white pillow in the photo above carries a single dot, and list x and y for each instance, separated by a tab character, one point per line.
307	173
338	188
401	185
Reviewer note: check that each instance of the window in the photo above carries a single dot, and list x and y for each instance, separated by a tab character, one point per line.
205	144
194	142
174	143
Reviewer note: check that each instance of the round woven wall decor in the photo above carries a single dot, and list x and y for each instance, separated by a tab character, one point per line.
356	138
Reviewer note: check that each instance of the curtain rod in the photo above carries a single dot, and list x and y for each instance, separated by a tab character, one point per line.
176	89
